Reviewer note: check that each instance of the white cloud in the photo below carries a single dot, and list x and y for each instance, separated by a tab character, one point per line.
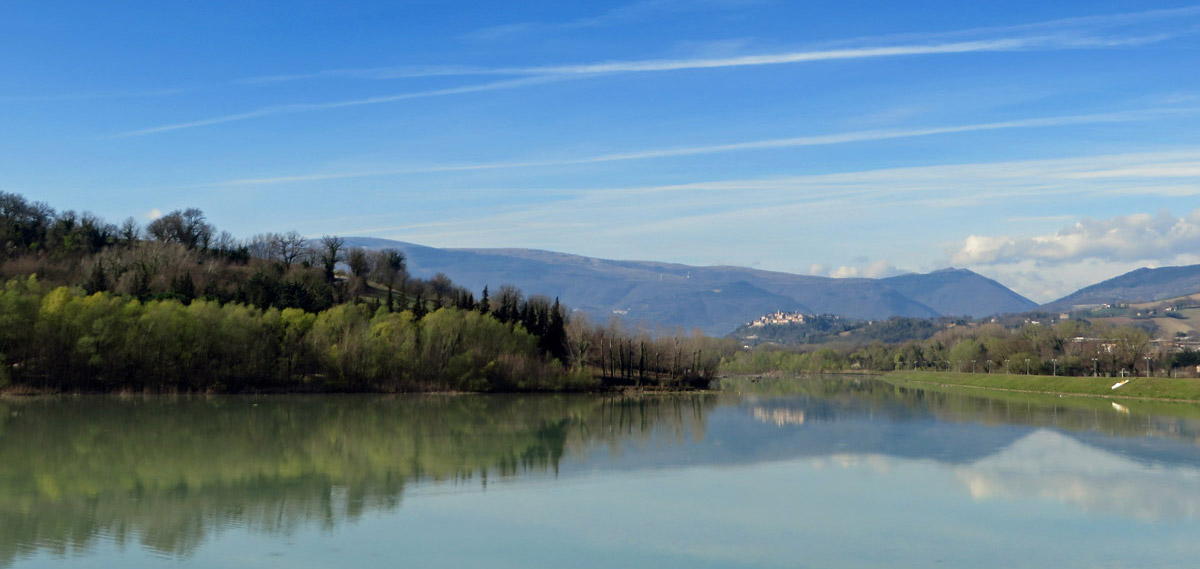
153	214
881	269
864	269
1137	237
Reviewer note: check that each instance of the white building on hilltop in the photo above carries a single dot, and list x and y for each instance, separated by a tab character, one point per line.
778	318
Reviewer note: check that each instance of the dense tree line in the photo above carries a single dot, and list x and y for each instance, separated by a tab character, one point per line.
65	339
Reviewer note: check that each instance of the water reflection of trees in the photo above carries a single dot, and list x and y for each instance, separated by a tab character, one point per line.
168	473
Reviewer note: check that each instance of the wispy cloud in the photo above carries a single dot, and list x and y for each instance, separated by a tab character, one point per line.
1082	34
309	107
548	74
689	210
790	209
768	144
92	96
751	60
1070	33
642	10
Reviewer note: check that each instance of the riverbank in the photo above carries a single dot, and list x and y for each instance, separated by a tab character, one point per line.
1148	388
596	385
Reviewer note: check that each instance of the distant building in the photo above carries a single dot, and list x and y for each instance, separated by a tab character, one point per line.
778	318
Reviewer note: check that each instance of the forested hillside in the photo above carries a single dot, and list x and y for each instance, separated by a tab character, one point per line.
179	306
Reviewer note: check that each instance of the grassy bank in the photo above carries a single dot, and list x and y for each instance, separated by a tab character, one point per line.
1163	388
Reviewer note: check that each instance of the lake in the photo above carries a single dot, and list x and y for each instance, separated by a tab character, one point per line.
804	472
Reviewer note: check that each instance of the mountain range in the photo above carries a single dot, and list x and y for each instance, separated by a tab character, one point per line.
713	299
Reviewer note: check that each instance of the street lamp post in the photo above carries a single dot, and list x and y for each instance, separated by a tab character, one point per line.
1147	358
972	366
1055	360
1027	366
1095	367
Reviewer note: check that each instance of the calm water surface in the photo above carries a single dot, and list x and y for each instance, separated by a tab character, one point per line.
813	472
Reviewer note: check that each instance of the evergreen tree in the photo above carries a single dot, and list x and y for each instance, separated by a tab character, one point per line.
554	338
418	307
184	286
97	281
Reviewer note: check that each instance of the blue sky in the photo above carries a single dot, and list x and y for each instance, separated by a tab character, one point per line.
1049	145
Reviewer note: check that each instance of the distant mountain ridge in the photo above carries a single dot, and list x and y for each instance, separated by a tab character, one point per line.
714	299
1141	285
955	292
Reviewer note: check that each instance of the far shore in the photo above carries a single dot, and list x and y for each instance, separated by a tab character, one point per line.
1139	388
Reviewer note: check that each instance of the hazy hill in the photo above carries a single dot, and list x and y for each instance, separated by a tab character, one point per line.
959	292
714	299
1141	285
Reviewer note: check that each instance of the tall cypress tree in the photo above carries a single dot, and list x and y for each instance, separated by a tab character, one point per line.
554	337
418	307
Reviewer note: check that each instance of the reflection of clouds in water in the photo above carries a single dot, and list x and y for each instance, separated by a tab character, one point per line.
1049	465
875	462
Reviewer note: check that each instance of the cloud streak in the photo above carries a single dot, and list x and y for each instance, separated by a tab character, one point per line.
755	60
756	202
642	10
310	107
98	95
1070	39
1071	33
767	144
548	74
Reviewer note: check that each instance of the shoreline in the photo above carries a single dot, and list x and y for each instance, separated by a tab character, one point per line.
1172	390
25	392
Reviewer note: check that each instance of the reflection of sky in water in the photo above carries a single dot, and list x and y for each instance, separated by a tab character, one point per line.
844	511
771	482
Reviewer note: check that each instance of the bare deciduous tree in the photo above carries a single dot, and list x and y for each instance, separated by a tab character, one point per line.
331	248
289	247
186	227
388	267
